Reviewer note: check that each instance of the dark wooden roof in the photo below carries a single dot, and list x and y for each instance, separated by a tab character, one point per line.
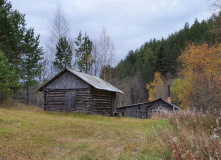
150	103
94	81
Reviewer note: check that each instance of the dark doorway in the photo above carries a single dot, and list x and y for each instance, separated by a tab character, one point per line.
69	100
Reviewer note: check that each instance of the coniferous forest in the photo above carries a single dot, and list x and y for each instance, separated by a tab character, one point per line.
188	60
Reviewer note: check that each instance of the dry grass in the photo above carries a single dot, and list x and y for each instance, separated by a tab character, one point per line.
192	135
30	133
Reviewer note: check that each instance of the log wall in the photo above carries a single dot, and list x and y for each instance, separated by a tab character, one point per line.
69	92
54	100
144	110
136	111
102	102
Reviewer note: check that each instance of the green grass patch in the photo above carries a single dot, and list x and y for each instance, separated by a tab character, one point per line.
29	133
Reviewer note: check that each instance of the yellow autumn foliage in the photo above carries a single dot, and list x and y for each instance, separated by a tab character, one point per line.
200	82
181	89
156	88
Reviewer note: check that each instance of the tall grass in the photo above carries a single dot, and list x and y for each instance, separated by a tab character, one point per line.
192	135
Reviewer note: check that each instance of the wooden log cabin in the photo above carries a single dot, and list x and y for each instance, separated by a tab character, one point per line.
71	90
147	109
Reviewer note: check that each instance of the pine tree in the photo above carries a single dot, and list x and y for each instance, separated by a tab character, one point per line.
8	78
87	58
79	51
19	44
12	33
83	56
30	60
63	55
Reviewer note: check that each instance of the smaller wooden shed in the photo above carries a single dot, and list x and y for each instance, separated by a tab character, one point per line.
71	90
147	109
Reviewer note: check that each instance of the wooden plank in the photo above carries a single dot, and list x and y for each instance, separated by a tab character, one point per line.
106	109
101	103
67	80
67	89
78	108
70	100
63	92
101	95
103	100
56	99
83	102
99	90
46	98
53	105
57	91
114	103
56	95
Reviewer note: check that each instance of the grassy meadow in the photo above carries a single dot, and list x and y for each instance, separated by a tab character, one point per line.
30	133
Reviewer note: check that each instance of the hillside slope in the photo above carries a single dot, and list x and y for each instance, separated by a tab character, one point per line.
30	133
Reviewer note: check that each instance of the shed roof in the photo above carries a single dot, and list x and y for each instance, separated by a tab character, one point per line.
150	103
94	81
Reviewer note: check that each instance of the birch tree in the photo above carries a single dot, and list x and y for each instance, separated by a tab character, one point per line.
106	49
58	28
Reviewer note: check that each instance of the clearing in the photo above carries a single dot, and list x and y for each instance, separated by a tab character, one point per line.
30	133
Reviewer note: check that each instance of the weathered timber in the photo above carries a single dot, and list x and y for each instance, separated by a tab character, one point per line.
51	99
73	91
146	110
66	81
102	101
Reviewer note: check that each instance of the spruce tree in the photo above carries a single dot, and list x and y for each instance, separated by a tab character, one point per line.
63	55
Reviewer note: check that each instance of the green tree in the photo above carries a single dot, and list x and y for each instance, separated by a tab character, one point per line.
63	55
30	62
79	51
8	78
83	56
12	33
19	44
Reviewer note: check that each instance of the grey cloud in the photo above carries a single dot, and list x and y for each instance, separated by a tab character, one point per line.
129	23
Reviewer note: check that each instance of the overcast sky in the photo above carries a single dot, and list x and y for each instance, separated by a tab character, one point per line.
129	23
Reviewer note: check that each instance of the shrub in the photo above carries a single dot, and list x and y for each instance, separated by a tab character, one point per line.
193	135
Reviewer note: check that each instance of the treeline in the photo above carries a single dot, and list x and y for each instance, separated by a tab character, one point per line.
20	53
25	65
138	68
143	75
